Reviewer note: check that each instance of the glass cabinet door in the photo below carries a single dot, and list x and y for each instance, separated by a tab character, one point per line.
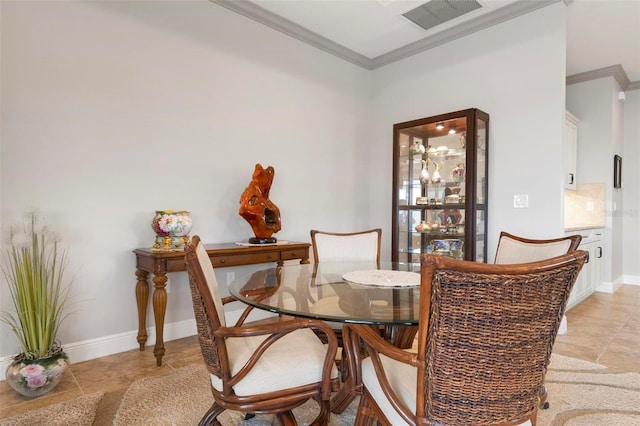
440	187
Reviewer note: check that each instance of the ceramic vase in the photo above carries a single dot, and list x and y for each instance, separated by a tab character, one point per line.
172	229
458	173
424	173
36	377
417	148
435	177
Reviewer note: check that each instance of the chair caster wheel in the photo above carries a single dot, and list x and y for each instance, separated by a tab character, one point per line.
249	416
545	405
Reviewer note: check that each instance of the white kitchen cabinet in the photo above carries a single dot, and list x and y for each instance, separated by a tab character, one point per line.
570	150
590	276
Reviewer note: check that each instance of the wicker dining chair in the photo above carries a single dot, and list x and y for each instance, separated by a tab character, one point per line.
515	249
360	248
484	341
264	368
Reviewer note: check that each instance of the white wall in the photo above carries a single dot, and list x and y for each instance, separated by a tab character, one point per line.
631	189
111	110
600	136
515	73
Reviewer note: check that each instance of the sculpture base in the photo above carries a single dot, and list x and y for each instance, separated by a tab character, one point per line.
255	240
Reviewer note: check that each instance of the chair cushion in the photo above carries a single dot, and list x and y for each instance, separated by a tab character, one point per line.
512	251
402	378
294	360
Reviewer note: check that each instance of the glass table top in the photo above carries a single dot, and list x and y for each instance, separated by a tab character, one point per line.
319	291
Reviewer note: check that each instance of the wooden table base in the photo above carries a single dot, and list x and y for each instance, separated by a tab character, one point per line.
399	335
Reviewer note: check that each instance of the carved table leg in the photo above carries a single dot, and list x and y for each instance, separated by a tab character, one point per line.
142	297
159	309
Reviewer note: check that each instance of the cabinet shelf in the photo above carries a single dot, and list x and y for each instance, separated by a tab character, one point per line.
441	234
439	207
455	153
431	207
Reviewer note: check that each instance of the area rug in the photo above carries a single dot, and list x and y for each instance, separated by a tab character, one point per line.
77	412
184	396
581	393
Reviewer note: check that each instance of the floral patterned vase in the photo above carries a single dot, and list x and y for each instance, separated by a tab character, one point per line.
172	229
424	173
36	377
458	173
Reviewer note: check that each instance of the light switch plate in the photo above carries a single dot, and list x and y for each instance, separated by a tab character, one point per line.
521	201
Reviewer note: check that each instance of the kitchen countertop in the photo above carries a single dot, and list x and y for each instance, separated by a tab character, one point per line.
583	227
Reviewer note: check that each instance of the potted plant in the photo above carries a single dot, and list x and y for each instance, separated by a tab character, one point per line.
34	270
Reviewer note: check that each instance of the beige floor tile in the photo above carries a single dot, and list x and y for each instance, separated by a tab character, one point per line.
17	404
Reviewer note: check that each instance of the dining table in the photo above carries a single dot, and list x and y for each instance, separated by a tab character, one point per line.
384	295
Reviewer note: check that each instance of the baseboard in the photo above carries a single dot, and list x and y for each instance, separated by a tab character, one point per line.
116	343
631	279
612	287
607	287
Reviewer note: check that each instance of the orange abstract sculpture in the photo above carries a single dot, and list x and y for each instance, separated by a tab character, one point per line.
257	209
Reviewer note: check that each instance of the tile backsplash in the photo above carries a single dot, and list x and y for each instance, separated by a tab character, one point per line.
585	207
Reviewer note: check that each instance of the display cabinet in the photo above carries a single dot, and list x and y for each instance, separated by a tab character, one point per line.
440	167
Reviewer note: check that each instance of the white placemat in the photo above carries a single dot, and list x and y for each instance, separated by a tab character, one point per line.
384	278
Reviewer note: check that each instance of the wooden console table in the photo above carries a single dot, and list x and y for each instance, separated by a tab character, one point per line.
222	256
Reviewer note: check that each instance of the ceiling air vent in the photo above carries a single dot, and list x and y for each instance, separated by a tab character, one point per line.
437	12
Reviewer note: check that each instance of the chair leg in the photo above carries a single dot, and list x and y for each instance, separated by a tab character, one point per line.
365	415
211	417
351	379
544	404
286	418
325	412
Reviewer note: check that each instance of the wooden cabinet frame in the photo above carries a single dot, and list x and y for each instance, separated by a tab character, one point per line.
407	243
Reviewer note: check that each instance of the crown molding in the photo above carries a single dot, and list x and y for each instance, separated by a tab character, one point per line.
615	71
285	26
633	86
469	27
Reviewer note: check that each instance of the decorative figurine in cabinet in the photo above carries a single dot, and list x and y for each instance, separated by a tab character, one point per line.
440	186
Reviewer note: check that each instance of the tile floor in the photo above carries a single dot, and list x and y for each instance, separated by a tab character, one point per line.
604	328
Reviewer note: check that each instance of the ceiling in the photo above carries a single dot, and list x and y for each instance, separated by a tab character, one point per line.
371	33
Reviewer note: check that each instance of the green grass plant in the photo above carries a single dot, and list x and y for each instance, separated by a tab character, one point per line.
34	269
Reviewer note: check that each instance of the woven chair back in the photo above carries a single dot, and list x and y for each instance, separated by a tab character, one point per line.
490	332
207	305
